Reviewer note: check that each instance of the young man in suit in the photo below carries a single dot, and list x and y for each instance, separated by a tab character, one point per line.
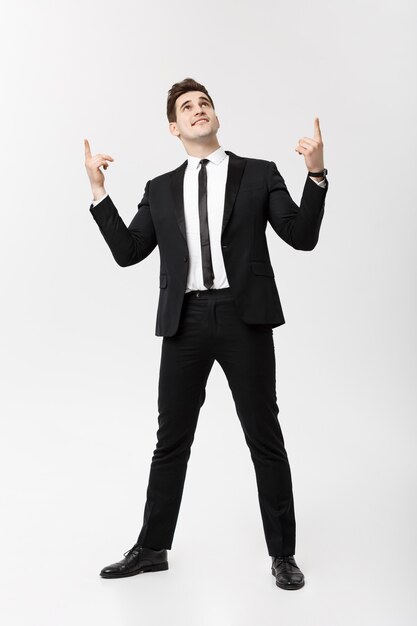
218	301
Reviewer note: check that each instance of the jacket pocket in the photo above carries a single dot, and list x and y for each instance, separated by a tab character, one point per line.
162	281
263	268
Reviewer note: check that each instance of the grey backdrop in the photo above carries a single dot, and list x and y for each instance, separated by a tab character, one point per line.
79	356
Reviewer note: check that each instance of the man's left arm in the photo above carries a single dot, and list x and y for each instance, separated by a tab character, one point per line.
299	226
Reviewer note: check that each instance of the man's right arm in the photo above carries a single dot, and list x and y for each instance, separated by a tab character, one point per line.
128	244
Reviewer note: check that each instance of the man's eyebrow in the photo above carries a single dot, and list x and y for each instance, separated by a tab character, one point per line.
200	98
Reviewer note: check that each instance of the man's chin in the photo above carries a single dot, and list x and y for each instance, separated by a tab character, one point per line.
204	130
202	136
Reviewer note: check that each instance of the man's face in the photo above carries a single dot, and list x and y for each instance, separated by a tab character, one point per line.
195	117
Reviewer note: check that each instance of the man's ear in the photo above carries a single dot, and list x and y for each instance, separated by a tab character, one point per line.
173	129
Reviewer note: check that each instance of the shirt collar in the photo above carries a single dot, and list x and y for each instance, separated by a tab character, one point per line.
215	157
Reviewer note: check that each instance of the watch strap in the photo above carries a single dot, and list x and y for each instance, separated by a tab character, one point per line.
322	173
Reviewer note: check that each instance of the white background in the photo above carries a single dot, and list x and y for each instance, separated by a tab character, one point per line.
79	357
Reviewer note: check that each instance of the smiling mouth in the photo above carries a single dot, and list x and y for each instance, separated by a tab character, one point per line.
199	121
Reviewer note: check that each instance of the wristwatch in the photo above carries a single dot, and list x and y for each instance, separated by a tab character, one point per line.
322	173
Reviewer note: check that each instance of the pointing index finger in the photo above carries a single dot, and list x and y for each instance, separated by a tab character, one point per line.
87	148
317	131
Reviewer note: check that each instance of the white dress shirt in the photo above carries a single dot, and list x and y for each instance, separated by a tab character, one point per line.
216	189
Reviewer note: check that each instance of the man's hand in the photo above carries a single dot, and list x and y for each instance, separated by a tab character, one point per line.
92	165
312	149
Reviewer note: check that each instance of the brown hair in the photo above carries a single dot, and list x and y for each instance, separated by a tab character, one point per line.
188	84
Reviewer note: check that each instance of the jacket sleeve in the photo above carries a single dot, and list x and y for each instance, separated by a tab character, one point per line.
298	226
128	244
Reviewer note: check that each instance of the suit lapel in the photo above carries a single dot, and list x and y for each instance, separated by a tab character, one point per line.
234	175
235	171
177	187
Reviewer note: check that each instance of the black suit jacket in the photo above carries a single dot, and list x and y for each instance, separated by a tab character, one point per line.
255	194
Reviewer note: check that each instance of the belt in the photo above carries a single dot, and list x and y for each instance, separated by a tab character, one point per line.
208	293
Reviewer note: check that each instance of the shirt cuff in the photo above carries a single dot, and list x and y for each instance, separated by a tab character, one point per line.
320	183
95	202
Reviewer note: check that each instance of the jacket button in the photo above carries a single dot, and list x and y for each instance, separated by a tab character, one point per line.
186	259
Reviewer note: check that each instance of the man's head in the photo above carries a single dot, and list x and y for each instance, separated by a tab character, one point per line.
191	114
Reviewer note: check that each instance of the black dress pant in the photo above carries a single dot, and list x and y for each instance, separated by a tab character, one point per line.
210	329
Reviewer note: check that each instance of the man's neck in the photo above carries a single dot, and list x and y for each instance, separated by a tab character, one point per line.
201	150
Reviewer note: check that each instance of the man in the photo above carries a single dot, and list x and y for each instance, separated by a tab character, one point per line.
218	301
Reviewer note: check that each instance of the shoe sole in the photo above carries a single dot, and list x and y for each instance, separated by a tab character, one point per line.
288	586
157	567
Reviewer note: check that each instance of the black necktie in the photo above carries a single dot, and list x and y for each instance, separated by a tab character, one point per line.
208	275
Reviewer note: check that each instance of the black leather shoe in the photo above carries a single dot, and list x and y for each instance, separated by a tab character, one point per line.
287	573
138	559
